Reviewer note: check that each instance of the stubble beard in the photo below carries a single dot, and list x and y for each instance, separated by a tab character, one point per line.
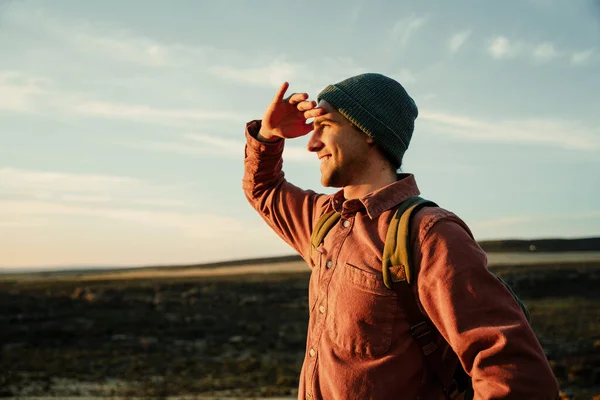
332	178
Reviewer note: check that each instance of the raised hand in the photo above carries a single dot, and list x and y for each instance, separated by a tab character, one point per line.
286	118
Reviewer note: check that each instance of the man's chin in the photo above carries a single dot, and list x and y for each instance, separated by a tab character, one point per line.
326	181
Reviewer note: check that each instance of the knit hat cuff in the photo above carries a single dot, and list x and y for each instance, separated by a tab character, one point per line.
354	112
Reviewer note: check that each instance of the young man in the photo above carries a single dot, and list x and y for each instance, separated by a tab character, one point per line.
359	344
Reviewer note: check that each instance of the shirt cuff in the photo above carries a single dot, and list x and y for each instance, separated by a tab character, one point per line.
252	129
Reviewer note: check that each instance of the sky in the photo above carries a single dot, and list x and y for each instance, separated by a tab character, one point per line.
122	123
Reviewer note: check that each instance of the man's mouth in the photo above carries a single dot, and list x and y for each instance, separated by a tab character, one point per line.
325	158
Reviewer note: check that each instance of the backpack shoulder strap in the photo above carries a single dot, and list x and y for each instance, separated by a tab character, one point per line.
396	252
323	225
398	274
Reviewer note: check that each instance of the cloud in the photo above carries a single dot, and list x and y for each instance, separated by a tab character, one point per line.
430	96
272	74
204	145
20	91
457	40
405	28
150	114
501	47
84	47
231	147
355	13
15	221
527	131
93	189
404	76
196	224
580	58
99	41
124	47
36	198
545	52
520	220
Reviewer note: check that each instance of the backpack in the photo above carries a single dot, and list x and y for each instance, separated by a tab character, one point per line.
398	274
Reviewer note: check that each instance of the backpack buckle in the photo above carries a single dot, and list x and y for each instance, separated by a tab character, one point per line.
419	330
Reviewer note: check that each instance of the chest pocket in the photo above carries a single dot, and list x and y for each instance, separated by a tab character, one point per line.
362	312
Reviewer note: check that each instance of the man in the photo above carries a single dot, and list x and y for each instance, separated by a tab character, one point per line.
359	344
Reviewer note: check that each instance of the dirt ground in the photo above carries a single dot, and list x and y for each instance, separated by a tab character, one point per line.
232	335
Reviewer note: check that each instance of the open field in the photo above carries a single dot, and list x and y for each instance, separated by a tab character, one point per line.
232	330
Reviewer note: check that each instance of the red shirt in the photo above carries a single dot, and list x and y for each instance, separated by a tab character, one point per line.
358	341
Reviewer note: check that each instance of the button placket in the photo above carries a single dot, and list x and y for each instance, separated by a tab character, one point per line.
338	241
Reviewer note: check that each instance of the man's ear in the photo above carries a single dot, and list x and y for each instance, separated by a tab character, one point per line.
370	140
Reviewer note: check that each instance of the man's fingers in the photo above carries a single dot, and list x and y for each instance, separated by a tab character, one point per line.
306	105
315	112
281	92
297	98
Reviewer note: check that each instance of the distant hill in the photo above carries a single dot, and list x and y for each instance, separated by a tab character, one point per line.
489	246
541	245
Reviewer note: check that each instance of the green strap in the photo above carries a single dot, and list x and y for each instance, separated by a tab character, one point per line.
323	225
397	275
396	251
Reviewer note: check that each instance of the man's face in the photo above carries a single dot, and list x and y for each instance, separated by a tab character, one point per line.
343	150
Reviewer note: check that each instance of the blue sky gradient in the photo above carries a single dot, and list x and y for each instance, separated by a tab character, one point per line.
121	123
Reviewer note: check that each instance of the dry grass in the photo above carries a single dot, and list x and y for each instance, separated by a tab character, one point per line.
233	331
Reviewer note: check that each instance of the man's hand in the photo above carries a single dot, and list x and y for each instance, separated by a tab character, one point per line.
286	118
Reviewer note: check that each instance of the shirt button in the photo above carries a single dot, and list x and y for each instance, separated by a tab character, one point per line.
322	309
312	352
346	223
308	396
329	264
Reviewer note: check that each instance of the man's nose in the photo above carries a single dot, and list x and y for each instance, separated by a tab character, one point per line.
314	142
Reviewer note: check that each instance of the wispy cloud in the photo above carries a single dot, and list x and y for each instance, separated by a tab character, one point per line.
404	76
17	221
91	42
355	13
581	57
458	40
545	52
406	27
501	47
20	91
96	40
204	145
150	114
125	47
232	147
91	189
528	219
527	131
83	45
269	75
36	198
197	224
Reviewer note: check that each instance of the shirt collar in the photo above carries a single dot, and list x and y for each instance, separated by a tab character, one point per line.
375	203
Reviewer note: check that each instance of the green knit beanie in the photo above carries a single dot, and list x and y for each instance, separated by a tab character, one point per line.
379	106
